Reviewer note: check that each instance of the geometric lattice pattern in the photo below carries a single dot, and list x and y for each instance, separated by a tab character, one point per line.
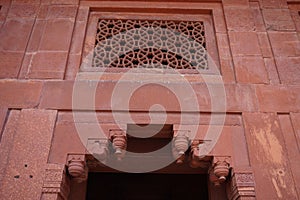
150	44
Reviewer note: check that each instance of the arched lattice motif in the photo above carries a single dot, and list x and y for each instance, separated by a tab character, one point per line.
155	44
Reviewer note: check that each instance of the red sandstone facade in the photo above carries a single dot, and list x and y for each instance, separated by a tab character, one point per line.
255	45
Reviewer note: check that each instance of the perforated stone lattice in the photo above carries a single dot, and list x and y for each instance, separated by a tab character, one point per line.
151	44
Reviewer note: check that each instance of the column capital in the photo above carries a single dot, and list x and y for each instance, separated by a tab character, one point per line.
77	167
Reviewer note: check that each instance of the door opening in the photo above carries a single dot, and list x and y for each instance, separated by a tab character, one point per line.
148	186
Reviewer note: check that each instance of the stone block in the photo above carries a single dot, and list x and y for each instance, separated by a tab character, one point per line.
244	43
20	94
48	65
273	3
268	157
57	35
257	16
62	11
78	37
278	98
15	34
10	63
250	69
288	69
36	35
23	11
292	145
272	70
72	66
239	19
285	43
227	70
240	97
25	167
278	20
264	44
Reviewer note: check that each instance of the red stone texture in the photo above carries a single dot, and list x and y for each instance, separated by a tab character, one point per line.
43	43
20	94
24	170
268	156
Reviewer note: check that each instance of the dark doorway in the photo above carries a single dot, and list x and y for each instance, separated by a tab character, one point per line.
124	186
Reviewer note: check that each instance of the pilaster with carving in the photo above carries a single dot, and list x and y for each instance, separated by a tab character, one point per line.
241	186
56	183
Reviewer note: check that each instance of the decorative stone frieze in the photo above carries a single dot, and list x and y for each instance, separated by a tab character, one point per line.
241	186
56	182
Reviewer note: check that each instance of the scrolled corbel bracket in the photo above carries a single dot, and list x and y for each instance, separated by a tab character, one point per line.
118	139
180	144
98	147
77	167
220	169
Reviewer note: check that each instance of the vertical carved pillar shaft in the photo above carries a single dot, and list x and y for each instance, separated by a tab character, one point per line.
119	142
77	167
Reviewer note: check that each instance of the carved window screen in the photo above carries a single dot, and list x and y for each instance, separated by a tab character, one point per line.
123	41
150	44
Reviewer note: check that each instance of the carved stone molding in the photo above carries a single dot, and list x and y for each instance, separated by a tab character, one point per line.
219	170
56	182
98	148
119	142
195	160
77	167
241	186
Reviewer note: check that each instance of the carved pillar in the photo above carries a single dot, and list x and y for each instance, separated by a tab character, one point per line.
56	184
180	145
119	142
219	170
241	186
98	148
77	167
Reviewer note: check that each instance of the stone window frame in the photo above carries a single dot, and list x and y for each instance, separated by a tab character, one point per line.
204	15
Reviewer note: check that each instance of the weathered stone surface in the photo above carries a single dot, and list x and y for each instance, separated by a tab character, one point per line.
20	94
272	70
268	156
25	167
291	137
48	65
10	63
278	19
285	43
288	69
239	19
57	35
15	34
250	69
278	98
244	43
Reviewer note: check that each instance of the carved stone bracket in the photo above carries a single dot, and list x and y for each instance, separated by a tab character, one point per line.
219	170
241	186
56	182
195	160
180	145
77	167
119	142
98	148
